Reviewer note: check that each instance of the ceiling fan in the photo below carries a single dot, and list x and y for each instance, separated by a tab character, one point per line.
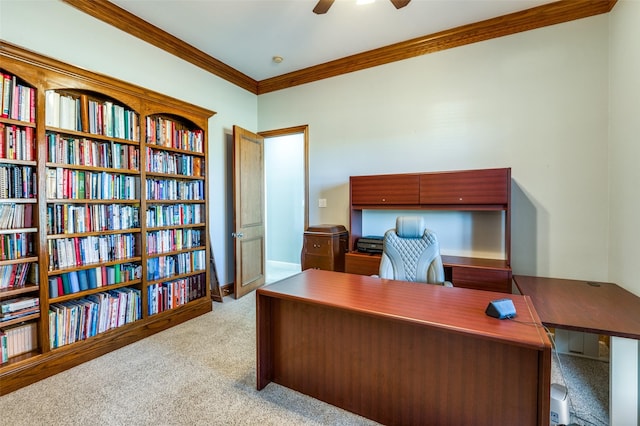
324	5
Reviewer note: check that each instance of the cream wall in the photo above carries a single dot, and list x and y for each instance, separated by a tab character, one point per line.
54	29
536	102
624	145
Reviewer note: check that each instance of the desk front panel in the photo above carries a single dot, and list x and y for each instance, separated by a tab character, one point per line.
399	369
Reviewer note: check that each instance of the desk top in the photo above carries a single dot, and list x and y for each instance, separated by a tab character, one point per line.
454	309
593	307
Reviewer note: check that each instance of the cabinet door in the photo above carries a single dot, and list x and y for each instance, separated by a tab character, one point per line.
490	186
385	190
318	245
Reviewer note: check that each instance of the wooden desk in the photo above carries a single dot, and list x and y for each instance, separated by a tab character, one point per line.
600	308
403	353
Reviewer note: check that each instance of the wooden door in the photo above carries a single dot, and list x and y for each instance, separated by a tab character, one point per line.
249	217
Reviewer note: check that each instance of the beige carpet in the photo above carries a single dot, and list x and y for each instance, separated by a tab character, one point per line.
201	372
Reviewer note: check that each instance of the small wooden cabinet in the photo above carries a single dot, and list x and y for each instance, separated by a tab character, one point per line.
464	190
324	247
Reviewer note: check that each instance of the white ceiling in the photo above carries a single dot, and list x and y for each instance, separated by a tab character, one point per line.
247	34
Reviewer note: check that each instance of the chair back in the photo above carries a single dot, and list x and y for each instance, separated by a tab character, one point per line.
412	253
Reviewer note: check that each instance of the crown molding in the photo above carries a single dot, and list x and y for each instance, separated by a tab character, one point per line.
541	16
129	23
537	17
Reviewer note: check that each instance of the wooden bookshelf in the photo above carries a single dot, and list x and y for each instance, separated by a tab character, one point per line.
119	182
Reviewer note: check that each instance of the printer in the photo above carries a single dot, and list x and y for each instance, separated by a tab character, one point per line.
369	244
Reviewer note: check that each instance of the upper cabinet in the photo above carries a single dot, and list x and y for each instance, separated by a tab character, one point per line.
386	190
471	188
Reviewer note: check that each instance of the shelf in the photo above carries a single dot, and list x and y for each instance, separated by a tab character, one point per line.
19	320
94	265
12	292
94	169
90	135
93	233
80	294
17	230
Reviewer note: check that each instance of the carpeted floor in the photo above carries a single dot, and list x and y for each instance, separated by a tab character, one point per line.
201	372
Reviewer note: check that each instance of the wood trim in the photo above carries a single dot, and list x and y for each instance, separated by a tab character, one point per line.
127	22
82	77
537	17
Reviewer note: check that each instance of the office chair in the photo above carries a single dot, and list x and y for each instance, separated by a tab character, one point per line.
411	253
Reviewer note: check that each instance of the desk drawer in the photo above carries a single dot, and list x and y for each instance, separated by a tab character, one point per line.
362	264
481	278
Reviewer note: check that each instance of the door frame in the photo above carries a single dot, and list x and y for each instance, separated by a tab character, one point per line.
304	130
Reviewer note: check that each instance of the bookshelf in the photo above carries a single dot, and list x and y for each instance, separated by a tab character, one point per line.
105	188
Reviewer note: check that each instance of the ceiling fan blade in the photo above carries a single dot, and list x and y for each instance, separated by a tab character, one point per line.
400	3
322	6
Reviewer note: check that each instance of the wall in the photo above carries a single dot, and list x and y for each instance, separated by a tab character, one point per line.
624	175
536	102
57	30
624	146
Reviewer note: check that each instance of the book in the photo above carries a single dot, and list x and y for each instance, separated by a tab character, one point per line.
74	283
12	305
84	282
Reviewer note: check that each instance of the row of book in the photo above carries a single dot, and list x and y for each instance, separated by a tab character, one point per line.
17	275
17	142
71	219
174	214
173	163
87	152
171	189
17	340
171	294
80	113
80	319
165	132
18	307
167	240
79	185
88	279
16	216
78	251
176	264
18	100
18	181
16	246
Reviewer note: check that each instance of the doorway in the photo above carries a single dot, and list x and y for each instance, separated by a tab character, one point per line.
286	199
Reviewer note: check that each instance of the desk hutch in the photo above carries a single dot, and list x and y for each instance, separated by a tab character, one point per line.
467	190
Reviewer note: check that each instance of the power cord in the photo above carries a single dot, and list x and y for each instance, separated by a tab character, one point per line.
572	411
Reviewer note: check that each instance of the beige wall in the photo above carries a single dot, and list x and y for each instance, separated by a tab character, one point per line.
536	102
624	145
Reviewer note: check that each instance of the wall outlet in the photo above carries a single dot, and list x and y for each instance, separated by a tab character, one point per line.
322	202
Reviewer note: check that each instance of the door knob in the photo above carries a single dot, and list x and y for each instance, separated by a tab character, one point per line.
237	234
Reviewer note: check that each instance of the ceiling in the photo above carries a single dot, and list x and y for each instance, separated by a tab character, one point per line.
238	39
247	34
